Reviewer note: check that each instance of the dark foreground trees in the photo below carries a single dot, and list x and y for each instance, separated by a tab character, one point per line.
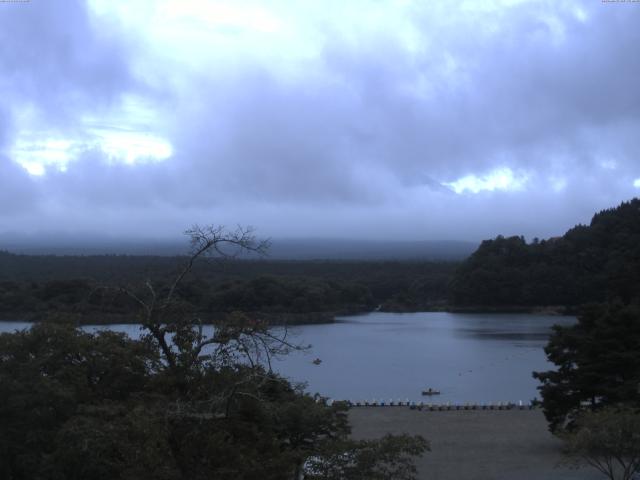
592	400
598	364
183	402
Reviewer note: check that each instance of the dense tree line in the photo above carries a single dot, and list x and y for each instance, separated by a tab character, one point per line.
40	287
264	294
591	263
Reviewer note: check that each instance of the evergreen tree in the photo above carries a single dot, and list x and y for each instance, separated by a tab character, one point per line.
598	364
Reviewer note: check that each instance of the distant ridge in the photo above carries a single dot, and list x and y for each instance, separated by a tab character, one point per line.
315	249
281	249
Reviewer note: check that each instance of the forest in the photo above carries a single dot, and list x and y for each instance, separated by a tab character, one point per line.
44	287
589	263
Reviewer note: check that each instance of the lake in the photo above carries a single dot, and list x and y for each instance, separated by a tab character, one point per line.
384	356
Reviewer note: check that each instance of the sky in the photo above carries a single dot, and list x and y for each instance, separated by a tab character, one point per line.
376	119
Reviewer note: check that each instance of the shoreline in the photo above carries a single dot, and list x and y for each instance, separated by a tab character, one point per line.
558	310
283	318
272	319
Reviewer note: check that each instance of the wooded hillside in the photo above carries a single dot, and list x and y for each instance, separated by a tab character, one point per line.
589	263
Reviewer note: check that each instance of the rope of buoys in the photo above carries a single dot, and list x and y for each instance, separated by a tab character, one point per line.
520	405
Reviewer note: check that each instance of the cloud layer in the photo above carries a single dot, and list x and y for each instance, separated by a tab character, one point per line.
373	119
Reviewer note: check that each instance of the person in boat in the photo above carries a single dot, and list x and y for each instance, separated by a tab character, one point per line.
430	391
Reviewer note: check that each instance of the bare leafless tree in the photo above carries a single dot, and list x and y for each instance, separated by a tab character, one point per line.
178	331
607	440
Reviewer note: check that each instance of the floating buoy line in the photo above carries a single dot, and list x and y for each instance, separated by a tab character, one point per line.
433	407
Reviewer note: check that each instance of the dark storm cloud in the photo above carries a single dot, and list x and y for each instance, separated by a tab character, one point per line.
284	143
526	97
523	93
364	140
18	194
53	58
95	182
57	65
4	124
17	191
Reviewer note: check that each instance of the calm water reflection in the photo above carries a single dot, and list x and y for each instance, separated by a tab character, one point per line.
468	357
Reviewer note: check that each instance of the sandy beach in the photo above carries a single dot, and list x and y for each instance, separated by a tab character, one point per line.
475	445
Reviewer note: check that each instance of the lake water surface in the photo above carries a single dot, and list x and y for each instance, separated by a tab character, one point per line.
383	356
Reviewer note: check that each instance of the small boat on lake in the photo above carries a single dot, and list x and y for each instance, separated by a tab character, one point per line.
431	391
317	361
